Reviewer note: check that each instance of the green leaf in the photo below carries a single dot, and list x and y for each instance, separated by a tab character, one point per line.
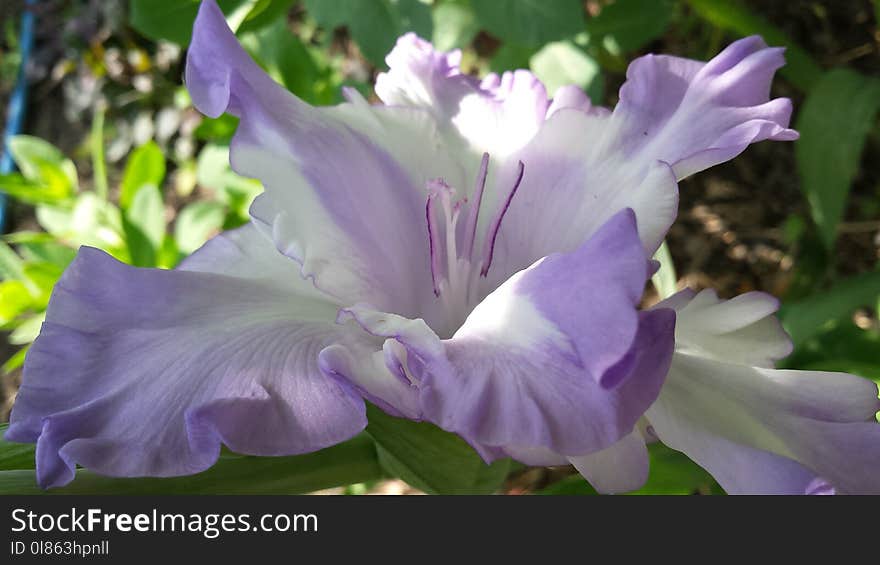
510	57
169	255
42	275
415	16
354	461
11	265
808	317
15	456
233	190
196	223
285	59
834	122
171	20
144	226
672	472
55	220
373	24
562	63
265	13
145	166
330	14
49	251
431	459
15	361
93	221
18	187
530	22
731	15
217	130
15	298
28	236
840	346
45	165
627	25
455	25
27	330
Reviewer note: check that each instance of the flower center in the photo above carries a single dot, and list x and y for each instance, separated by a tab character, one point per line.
452	229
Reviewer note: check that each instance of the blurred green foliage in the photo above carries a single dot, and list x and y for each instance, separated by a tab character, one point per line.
298	44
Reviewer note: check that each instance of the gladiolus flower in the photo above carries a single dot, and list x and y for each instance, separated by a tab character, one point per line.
470	253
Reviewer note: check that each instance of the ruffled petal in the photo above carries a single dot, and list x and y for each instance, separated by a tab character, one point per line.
674	115
379	376
754	428
505	116
571	96
694	115
421	77
823	421
741	330
146	372
545	361
584	164
497	115
345	185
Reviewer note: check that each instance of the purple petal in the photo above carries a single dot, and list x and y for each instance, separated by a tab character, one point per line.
344	185
505	116
694	115
565	196
146	372
745	470
583	166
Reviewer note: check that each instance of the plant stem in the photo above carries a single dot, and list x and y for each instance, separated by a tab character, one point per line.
354	461
99	165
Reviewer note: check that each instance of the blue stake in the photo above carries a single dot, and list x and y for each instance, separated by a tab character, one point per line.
15	111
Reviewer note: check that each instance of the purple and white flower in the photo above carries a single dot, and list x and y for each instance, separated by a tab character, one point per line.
470	253
760	430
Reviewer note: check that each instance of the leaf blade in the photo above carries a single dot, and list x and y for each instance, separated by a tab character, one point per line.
146	165
353	461
530	22
834	122
431	459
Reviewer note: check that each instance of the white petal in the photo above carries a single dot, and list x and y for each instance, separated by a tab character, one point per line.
622	467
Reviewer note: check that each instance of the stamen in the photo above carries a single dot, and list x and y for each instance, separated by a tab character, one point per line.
456	280
452	212
470	232
489	242
434	191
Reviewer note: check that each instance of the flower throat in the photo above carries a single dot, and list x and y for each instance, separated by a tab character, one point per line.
455	270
